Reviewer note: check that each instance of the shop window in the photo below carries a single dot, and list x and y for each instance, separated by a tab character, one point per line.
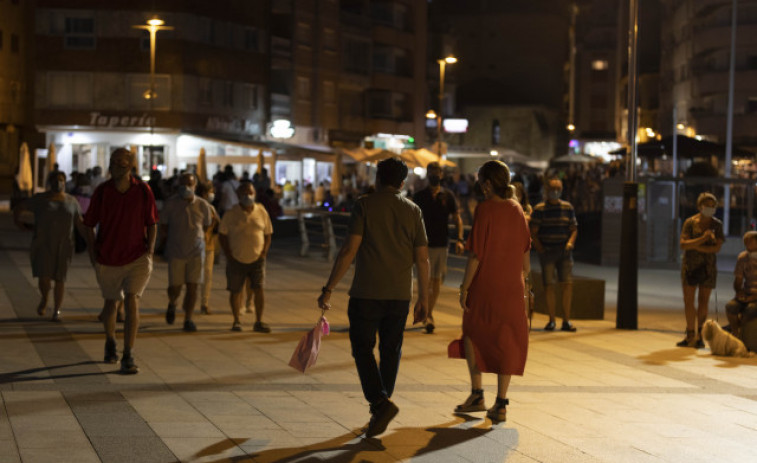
79	33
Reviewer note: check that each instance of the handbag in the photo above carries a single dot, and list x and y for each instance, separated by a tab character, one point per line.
306	353
456	349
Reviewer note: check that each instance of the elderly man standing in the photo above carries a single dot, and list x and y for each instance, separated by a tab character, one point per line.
387	236
184	221
122	253
245	237
553	230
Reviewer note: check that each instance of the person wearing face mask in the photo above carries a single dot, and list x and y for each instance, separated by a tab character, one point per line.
245	237
183	223
206	191
554	229
56	214
438	204
123	208
743	307
701	239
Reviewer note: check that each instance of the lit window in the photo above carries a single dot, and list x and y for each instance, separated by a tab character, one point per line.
599	65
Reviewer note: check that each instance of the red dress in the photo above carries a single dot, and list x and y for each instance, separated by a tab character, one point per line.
496	319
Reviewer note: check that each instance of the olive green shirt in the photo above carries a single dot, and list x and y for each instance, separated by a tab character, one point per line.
392	227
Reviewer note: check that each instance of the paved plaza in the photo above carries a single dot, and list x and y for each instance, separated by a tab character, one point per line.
598	395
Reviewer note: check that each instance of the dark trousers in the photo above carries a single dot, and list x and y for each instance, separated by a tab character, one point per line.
387	318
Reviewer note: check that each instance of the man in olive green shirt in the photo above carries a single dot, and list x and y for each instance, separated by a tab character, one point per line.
386	236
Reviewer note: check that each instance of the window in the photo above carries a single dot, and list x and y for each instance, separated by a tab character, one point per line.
251	96
15	45
69	89
599	65
227	94
380	104
79	33
205	92
329	92
329	39
251	40
357	56
303	88
304	33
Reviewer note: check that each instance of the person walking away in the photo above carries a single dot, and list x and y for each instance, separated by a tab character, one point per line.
122	252
438	204
56	215
701	239
743	307
207	192
245	237
492	295
184	221
554	229
386	236
228	190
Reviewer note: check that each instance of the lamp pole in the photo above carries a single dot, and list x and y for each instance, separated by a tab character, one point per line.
628	270
153	26
442	68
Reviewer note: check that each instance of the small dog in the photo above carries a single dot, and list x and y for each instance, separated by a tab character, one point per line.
722	342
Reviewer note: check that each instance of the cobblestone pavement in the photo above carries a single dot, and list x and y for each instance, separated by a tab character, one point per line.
600	394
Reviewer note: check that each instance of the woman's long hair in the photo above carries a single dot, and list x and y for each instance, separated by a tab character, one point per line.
498	174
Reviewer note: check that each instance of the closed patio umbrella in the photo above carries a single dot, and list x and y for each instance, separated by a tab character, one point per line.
336	175
24	175
202	167
261	160
52	158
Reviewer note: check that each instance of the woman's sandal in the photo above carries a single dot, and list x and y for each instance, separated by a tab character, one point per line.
690	340
498	413
474	402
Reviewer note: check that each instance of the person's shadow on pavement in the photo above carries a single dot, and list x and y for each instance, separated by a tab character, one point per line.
401	443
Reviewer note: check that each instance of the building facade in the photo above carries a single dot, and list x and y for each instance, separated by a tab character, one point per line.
15	90
696	44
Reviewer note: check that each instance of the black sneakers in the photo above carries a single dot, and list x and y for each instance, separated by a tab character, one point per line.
189	326
261	327
171	314
550	326
568	326
382	415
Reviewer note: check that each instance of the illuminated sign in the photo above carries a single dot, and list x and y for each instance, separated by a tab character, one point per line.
281	128
455	125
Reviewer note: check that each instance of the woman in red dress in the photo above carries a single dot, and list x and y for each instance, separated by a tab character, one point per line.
495	321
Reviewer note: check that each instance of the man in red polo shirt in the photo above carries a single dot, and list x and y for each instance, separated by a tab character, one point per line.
122	253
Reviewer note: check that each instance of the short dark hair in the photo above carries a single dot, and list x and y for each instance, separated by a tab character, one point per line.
54	176
498	174
392	172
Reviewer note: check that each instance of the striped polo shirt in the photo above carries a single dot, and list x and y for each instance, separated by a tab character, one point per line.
555	222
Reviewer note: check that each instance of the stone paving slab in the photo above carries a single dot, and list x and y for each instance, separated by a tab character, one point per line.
598	395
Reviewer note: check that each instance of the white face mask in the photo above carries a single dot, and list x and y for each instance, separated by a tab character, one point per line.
708	211
211	197
246	201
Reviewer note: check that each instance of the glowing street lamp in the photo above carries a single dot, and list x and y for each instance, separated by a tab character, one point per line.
442	67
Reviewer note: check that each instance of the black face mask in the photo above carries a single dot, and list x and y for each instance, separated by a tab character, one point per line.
434	180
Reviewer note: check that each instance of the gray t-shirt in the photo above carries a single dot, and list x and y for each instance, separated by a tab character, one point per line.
187	221
392	227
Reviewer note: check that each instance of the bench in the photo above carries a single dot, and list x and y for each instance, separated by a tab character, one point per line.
588	301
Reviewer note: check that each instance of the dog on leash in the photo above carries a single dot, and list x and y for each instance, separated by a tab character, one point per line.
722	342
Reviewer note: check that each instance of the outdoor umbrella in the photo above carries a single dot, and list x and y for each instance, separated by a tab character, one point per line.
574	159
52	158
24	175
424	157
202	167
336	175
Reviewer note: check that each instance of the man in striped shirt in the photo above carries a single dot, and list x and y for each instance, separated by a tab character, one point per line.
553	230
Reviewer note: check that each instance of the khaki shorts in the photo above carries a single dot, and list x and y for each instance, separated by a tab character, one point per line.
437	258
131	278
181	271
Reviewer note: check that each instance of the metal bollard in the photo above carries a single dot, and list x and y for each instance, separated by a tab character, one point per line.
304	241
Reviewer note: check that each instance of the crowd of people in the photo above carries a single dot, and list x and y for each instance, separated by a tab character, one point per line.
389	233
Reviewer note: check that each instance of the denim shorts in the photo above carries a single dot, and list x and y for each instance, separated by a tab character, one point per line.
556	258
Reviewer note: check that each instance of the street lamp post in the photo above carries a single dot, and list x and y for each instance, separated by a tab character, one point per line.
153	26
442	68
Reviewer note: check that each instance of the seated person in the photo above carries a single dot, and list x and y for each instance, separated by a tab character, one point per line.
744	305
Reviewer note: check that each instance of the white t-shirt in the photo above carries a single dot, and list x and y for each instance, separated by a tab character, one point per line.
246	232
186	221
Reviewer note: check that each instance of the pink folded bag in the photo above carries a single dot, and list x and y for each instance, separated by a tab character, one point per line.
306	353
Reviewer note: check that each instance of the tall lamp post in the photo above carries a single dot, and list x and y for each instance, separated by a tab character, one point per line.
153	26
442	68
